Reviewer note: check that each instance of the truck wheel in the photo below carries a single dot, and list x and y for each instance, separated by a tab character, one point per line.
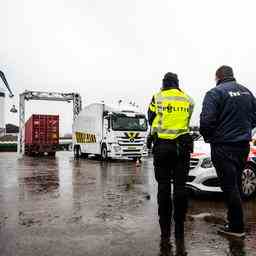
249	181
104	153
52	154
77	152
26	150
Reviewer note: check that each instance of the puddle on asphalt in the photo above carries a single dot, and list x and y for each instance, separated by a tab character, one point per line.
88	197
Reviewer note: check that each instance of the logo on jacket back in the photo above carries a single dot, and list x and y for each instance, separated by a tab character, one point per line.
171	109
234	94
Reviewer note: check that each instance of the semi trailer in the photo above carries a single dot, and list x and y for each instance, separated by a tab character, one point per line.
110	132
42	135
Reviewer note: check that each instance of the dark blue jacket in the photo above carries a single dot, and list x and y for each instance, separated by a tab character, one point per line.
228	114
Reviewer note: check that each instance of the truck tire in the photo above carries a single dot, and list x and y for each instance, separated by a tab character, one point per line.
32	153
52	154
249	181
77	152
104	153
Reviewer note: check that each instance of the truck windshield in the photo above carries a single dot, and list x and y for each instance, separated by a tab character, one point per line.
126	123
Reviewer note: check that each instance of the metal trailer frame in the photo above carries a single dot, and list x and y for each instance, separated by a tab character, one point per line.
37	95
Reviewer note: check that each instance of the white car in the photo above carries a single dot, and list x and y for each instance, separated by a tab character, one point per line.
202	176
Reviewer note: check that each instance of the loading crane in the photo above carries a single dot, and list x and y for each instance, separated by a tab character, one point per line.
13	109
6	84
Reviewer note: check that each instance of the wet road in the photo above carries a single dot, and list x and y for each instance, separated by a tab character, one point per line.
84	207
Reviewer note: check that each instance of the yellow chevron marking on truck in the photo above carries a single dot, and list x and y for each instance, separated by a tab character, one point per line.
85	137
132	135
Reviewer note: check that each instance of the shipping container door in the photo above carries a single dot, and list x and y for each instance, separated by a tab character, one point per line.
38	129
52	134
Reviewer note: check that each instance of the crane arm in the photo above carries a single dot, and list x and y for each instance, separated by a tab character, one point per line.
6	83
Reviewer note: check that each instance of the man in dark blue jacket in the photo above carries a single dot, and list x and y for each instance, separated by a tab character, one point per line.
226	122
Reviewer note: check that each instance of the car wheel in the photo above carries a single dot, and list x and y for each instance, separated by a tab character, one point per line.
104	153
248	181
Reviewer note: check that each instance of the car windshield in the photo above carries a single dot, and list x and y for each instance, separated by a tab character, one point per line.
127	123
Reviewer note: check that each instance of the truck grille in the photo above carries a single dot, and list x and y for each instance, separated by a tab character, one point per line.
131	155
193	163
131	144
131	150
128	142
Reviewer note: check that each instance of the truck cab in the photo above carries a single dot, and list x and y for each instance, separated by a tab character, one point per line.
125	134
110	132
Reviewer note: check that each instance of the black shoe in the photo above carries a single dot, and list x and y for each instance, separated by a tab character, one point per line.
179	230
227	230
180	247
165	245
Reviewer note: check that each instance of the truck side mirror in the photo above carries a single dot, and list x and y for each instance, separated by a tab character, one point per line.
107	123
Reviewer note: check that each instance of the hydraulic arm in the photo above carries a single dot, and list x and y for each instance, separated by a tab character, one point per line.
6	83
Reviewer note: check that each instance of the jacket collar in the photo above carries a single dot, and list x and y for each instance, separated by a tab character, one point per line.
170	84
170	88
226	80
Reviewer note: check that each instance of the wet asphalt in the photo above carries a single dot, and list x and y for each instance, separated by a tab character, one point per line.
84	207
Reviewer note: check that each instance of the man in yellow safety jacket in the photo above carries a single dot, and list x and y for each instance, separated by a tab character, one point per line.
169	115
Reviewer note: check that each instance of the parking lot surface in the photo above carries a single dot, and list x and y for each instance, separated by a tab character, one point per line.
84	207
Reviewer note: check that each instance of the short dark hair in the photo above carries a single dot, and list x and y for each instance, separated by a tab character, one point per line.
224	72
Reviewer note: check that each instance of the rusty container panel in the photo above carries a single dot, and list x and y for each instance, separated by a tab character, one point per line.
52	130
42	130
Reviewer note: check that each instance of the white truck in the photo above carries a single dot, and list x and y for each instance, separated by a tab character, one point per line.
110	132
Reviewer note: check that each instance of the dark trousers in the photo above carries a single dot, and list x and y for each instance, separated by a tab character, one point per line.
171	162
229	161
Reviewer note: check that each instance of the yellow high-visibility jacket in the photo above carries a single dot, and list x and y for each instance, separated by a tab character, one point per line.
173	109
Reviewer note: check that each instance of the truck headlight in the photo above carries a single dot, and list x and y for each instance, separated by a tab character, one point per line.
117	148
145	148
207	163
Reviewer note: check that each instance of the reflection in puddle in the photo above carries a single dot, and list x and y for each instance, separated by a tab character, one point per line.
105	207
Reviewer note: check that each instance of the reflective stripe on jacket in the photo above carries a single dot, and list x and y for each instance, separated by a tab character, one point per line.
173	110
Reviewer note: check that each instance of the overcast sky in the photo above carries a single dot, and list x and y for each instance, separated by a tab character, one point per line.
117	49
